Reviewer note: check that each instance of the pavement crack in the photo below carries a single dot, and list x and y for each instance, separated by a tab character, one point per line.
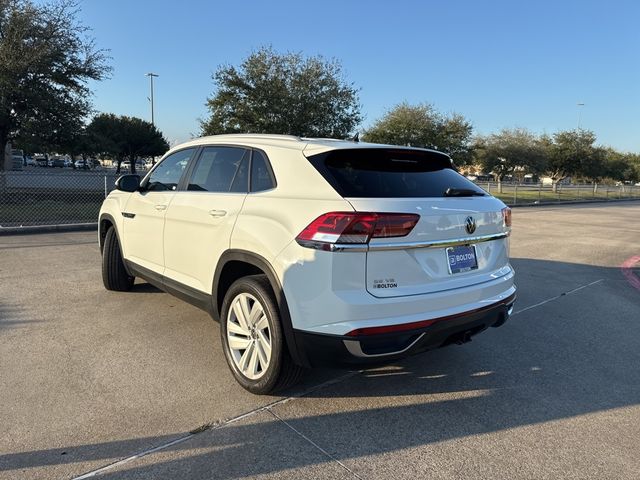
318	447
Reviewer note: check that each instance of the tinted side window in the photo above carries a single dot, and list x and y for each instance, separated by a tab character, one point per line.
221	169
261	177
166	175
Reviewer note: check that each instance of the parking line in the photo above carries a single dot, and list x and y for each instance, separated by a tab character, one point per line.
215	426
544	302
322	450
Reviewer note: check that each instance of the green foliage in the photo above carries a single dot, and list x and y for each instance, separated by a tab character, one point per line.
565	153
288	94
632	168
422	126
509	151
123	137
619	166
572	152
45	63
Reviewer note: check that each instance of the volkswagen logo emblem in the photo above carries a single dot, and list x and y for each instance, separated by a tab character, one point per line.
470	225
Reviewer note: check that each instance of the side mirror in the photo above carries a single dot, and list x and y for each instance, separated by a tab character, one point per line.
128	183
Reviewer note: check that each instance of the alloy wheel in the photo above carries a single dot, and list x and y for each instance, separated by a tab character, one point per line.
249	336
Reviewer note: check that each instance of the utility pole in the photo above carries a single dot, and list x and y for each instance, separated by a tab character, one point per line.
151	75
579	104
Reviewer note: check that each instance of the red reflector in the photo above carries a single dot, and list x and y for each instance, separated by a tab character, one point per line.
506	216
390	328
425	323
357	227
395	225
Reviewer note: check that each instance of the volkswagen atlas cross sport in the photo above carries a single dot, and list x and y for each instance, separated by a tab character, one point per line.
313	251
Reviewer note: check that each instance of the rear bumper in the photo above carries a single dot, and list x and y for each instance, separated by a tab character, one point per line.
335	350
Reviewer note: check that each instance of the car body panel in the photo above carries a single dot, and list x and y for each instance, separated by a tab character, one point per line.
144	230
197	232
398	270
327	294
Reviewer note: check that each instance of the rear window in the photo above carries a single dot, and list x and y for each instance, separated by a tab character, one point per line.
388	173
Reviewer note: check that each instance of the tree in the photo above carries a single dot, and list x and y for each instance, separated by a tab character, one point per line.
124	137
45	63
620	166
633	167
570	152
289	94
422	126
510	151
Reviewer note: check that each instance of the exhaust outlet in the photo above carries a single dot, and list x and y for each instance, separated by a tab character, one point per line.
464	337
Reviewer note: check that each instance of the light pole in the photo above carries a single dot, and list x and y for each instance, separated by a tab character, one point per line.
151	75
579	104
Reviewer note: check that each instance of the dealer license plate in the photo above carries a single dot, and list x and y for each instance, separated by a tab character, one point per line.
462	258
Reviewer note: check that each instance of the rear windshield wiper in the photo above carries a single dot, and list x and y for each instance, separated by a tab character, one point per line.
463	192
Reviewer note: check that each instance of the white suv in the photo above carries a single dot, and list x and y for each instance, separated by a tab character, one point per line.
313	251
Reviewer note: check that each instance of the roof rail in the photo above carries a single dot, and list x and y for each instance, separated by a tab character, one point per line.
264	136
322	139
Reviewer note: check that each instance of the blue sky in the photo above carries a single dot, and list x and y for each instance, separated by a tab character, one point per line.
499	63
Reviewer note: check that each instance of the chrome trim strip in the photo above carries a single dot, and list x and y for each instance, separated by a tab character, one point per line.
438	243
333	247
354	348
372	247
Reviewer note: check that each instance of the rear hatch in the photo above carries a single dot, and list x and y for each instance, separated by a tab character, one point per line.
460	238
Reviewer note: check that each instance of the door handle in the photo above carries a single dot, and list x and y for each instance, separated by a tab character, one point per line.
161	207
217	213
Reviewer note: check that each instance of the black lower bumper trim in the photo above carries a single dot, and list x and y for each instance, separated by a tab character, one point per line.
337	350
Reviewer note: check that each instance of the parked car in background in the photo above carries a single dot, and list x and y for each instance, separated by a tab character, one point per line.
41	160
30	162
484	178
17	159
83	164
58	162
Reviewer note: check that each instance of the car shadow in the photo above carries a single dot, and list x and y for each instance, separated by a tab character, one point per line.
144	287
575	355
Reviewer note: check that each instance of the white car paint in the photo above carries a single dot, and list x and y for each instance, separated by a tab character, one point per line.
173	233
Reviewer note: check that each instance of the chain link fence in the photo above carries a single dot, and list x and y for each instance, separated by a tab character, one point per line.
521	194
48	196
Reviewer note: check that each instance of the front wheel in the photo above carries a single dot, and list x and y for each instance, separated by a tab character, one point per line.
252	337
114	273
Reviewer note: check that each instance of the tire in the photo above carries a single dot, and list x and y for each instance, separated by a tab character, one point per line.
114	274
248	363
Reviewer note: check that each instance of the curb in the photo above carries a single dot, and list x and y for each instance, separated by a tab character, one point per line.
571	202
32	229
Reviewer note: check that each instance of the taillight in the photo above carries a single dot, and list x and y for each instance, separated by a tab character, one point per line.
506	216
355	228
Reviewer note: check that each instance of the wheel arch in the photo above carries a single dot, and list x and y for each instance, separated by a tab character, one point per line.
234	264
105	222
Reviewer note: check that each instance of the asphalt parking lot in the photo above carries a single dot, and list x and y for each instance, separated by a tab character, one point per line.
92	380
